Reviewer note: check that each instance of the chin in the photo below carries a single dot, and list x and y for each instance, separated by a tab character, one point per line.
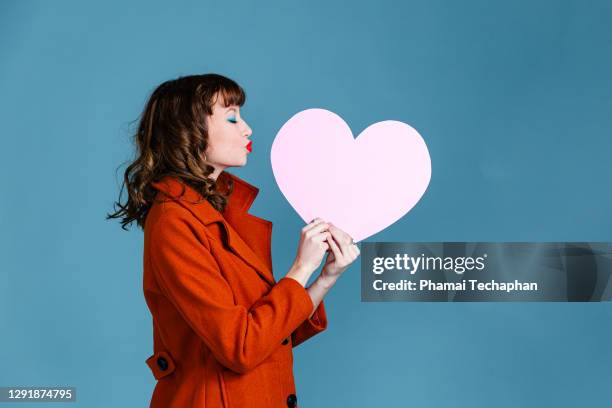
236	163
241	163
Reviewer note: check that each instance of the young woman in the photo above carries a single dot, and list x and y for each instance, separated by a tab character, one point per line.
223	327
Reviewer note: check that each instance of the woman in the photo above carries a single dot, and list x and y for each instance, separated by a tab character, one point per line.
223	327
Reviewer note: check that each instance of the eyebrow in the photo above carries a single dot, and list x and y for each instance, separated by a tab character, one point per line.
230	108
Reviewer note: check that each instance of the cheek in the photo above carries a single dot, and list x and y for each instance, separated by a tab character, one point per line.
225	141
217	138
234	139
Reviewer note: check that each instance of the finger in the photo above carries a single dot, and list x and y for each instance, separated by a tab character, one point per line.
313	224
341	249
334	247
317	229
343	236
354	251
321	237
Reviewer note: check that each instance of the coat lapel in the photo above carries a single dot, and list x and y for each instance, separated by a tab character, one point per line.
249	237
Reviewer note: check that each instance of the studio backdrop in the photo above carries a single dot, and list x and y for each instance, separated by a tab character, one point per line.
512	100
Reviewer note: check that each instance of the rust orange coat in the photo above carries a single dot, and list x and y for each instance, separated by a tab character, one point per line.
223	327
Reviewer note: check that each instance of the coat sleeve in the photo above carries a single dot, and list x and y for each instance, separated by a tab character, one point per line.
310	327
190	277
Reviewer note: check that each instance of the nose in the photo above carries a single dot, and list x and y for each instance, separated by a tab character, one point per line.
248	131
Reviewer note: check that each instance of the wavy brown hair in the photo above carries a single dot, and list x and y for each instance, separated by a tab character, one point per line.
171	139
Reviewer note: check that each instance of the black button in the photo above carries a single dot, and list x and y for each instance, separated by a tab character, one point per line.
162	363
291	400
285	341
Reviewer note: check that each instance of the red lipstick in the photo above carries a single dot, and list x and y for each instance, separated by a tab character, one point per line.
250	146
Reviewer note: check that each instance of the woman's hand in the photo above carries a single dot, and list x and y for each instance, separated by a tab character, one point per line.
312	246
343	253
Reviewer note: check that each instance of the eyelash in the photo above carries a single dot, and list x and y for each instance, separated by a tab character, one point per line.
233	120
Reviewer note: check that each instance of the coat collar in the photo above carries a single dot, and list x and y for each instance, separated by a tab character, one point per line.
248	236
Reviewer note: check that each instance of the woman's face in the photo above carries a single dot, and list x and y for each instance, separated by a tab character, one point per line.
228	137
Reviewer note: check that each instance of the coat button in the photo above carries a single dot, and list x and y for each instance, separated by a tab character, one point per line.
162	363
291	400
285	341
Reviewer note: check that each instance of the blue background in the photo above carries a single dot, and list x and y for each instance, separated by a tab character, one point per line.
514	100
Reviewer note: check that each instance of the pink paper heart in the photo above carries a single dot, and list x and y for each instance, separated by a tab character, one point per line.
361	185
